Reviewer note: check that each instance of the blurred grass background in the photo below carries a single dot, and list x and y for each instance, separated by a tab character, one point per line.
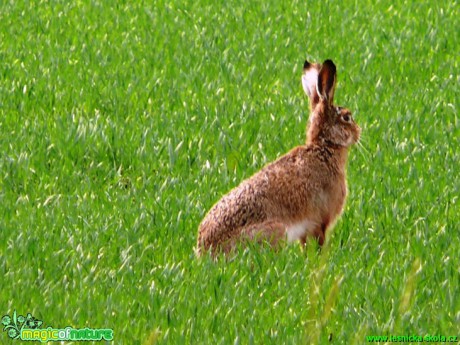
122	123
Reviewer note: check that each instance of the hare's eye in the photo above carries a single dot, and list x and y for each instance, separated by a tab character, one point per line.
346	118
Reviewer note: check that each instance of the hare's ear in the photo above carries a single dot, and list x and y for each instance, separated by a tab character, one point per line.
309	79
326	81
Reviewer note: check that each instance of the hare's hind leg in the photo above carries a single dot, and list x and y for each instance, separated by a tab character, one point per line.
272	232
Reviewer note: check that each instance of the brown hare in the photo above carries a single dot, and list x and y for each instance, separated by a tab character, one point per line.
300	194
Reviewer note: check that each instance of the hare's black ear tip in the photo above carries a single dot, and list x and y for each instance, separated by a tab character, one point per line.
306	65
329	63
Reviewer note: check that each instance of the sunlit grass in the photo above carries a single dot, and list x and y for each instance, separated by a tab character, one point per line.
121	125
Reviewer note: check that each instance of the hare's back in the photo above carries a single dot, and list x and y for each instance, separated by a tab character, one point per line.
242	206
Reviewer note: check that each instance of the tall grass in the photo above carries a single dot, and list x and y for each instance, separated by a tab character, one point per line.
122	123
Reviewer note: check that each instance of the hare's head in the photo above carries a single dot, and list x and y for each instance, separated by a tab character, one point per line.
329	124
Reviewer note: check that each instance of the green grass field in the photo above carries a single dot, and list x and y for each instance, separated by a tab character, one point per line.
122	124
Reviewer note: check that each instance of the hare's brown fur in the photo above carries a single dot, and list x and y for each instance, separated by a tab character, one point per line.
303	192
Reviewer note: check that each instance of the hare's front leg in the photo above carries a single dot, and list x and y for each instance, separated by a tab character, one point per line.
318	233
